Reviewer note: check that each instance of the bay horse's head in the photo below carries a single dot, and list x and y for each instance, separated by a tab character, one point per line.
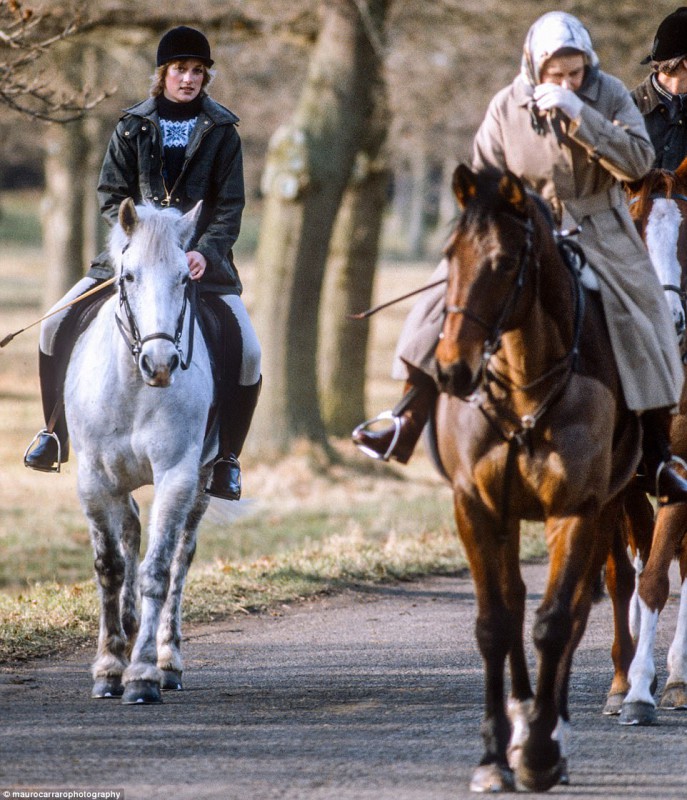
147	247
658	205
490	255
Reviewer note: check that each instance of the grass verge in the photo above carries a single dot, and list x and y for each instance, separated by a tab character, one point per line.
52	618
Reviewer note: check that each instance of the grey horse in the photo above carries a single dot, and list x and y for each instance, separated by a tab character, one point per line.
138	394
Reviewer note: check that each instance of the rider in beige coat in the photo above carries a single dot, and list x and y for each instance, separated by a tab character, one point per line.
573	134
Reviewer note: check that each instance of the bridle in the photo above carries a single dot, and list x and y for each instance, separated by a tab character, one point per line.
483	390
495	332
131	333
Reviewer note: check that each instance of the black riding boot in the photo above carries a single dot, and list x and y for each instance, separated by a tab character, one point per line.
236	415
46	456
670	486
408	418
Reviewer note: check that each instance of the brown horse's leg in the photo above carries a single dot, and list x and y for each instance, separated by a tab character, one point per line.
495	629
578	547
653	589
634	527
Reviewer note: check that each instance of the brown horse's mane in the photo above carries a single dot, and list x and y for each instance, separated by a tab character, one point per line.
656	181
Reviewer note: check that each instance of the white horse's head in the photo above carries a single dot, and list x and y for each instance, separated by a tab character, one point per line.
148	249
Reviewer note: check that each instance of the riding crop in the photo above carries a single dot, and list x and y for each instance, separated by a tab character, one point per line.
73	302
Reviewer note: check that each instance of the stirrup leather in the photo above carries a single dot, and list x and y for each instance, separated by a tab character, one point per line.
52	435
394	439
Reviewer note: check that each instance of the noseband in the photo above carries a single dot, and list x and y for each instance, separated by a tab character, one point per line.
132	336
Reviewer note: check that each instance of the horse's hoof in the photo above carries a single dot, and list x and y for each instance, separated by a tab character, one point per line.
564	780
142	693
674	696
171	680
614	702
541	780
108	687
492	778
637	712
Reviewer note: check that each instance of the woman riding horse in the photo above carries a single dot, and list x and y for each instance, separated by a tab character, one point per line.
572	133
174	149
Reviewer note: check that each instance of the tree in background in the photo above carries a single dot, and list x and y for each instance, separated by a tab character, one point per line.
309	165
26	36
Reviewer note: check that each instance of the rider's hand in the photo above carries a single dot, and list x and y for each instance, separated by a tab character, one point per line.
196	264
551	95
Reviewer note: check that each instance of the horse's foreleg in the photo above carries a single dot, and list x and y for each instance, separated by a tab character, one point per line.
111	660
675	693
639	707
495	629
131	543
142	677
560	619
169	658
620	581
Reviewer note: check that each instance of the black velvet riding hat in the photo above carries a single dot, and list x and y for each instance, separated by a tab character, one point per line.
183	42
671	37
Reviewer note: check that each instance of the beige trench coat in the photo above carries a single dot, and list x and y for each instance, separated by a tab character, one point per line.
579	175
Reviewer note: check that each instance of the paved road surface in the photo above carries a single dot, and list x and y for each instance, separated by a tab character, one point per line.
371	695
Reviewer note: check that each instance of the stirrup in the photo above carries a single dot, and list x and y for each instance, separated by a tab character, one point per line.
52	435
394	439
672	460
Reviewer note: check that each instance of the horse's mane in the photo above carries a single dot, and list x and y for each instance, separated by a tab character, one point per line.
656	181
159	226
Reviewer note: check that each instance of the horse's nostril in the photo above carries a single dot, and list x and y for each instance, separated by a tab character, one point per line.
146	365
174	363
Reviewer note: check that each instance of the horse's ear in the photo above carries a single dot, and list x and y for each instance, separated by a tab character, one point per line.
464	184
128	218
512	191
187	225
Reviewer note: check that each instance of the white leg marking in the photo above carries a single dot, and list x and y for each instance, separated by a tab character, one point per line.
635	613
642	669
677	655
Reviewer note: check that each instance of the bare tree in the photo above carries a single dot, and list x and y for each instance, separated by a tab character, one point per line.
26	36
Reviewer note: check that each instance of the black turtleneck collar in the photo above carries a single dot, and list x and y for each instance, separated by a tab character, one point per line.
168	109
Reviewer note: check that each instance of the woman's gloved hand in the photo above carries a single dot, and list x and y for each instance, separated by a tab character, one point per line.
550	95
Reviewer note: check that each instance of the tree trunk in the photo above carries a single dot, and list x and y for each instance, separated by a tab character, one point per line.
309	163
70	218
62	210
349	278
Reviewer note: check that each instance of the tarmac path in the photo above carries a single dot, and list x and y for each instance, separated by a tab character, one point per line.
374	694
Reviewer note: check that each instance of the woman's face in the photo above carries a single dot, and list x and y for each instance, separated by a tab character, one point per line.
184	80
566	71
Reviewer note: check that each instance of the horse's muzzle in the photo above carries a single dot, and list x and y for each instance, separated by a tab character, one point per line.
158	373
457	379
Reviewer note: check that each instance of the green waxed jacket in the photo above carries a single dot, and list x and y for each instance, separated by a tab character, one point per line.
212	172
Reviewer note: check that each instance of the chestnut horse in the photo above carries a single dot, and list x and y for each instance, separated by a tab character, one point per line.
531	425
658	205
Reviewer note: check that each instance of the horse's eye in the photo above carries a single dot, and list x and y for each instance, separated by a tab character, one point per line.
128	276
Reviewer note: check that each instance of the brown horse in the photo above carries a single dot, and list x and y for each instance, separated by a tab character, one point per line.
532	425
658	205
